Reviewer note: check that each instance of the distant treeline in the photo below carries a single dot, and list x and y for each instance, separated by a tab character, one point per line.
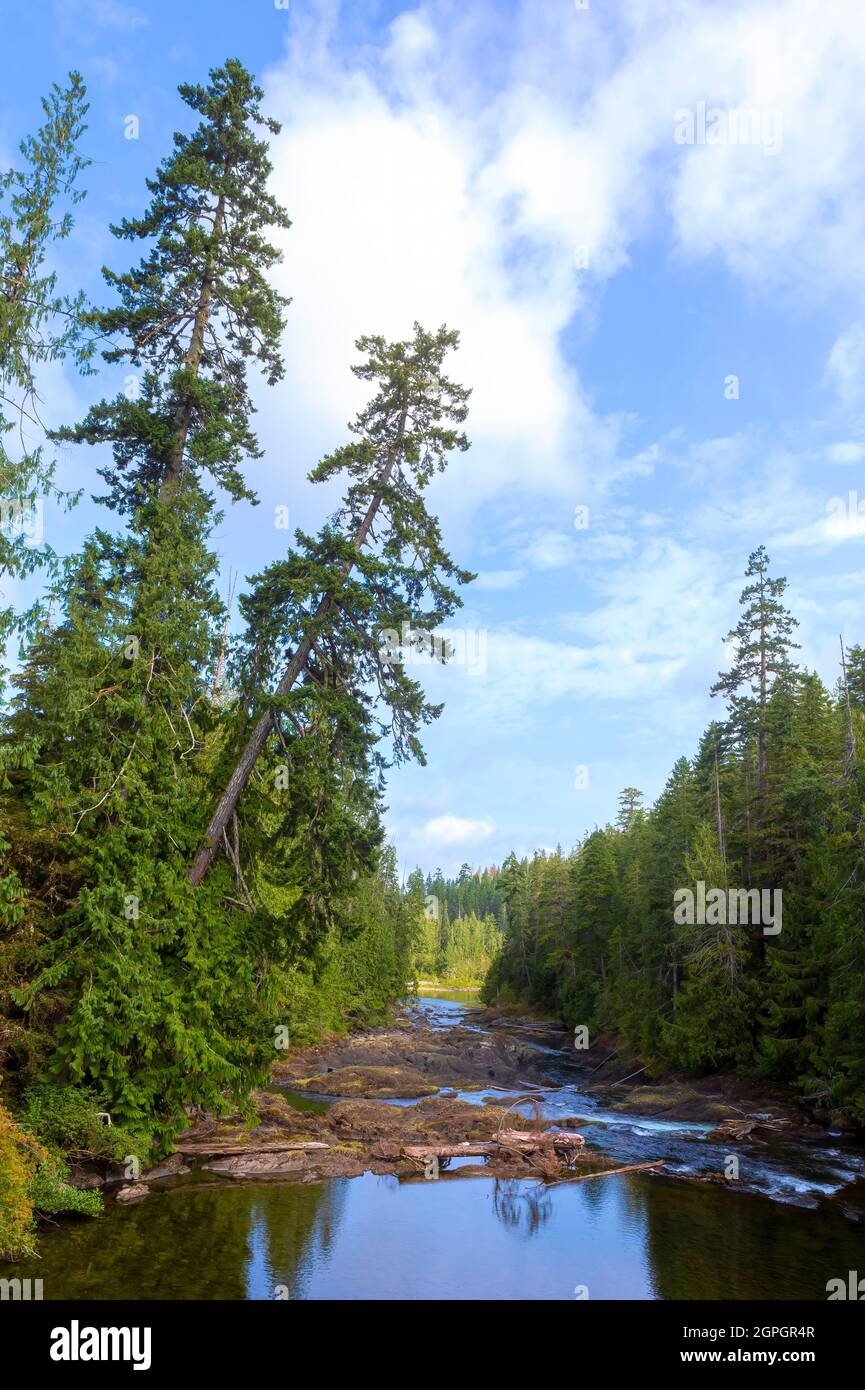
473	891
459	923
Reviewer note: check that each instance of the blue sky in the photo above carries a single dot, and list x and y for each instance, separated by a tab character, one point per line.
519	172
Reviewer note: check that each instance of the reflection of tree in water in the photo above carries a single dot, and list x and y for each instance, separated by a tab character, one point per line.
294	1226
706	1242
521	1207
202	1239
188	1242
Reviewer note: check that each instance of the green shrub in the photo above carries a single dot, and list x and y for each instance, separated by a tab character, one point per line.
51	1193
68	1119
33	1181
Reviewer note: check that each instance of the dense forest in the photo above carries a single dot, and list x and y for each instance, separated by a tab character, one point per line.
459	935
772	801
193	869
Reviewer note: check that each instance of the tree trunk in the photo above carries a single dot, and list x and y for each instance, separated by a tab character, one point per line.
526	1141
850	734
184	413
719	823
761	733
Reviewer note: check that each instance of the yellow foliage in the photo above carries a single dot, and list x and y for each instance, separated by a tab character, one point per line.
19	1156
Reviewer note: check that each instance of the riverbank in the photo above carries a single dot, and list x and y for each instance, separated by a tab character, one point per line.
628	1083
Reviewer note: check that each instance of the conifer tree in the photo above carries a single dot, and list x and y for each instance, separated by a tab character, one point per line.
630	807
762	641
154	999
596	907
348	601
197	308
37	323
516	885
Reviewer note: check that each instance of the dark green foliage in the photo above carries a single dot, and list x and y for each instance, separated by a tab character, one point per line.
355	974
74	1120
51	1193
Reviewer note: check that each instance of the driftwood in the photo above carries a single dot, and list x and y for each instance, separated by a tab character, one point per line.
631	1074
611	1172
521	1140
750	1124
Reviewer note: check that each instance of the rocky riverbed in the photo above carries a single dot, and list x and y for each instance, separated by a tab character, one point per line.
446	1076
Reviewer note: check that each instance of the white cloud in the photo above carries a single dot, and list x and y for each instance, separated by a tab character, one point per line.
845	452
658	617
421	189
449	830
548	550
496	580
845	368
403	226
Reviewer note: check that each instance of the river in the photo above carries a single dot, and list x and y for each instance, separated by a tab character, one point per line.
795	1221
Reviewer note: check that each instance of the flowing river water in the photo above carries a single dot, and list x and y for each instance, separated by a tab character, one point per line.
794	1220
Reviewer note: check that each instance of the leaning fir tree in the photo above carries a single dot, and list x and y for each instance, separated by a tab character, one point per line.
322	703
153	999
334	618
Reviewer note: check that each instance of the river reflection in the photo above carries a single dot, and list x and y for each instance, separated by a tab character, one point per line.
633	1236
521	1204
464	1238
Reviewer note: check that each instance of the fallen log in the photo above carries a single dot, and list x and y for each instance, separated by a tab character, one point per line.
220	1149
555	1137
421	1152
610	1172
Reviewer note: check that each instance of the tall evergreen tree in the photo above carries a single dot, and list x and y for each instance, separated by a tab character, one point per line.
630	807
154	999
198	307
762	641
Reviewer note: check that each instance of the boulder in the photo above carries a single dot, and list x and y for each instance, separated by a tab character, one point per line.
133	1192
